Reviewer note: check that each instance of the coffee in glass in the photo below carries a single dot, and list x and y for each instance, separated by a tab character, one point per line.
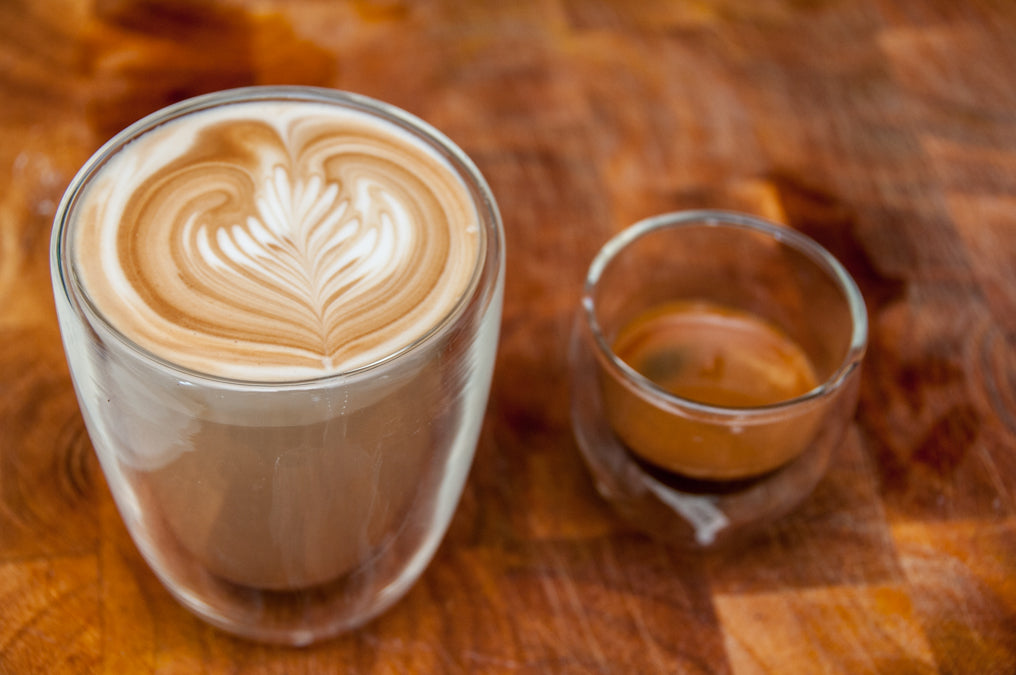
715	365
280	308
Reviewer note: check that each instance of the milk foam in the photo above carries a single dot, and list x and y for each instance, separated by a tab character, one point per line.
276	240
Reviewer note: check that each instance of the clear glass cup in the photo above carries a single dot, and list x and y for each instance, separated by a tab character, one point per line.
286	511
697	471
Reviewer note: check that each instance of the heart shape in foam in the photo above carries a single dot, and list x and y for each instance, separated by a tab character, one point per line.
298	244
306	253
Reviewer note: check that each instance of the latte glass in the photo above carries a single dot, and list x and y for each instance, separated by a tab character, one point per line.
715	363
286	510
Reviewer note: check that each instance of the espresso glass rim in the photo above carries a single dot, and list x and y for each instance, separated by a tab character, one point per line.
713	218
491	246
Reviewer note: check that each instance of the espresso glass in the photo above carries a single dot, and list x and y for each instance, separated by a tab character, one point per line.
697	473
286	511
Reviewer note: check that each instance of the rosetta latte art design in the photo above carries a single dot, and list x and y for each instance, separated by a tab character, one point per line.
277	241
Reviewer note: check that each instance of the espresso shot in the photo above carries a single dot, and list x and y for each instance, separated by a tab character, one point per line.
714	355
715	362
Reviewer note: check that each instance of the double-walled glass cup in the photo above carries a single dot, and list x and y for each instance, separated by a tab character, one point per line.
715	297
286	511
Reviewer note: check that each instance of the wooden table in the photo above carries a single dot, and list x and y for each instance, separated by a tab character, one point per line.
885	129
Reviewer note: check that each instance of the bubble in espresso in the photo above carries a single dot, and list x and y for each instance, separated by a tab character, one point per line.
276	240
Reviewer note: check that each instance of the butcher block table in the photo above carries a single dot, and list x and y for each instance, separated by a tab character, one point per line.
884	129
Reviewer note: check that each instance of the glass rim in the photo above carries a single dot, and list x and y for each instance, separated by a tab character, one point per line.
715	218
491	228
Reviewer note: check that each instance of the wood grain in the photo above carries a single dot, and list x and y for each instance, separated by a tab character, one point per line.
885	129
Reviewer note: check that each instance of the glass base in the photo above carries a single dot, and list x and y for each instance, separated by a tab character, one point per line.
691	513
297	617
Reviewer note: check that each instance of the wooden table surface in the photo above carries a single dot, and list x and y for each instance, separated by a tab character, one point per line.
885	129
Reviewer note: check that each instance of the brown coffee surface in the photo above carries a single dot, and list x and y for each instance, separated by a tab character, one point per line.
276	240
715	355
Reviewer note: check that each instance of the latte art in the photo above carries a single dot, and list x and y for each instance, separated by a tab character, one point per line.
272	243
276	240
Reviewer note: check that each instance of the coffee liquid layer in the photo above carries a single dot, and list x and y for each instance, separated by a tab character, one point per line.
716	355
276	240
719	356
